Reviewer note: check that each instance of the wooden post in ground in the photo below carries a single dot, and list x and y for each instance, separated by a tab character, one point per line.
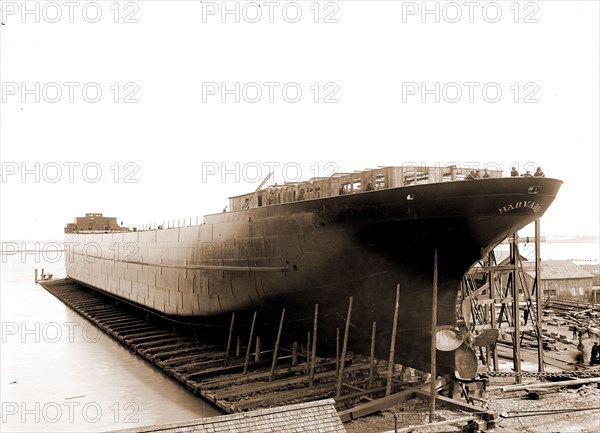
36	275
238	346
294	353
313	355
276	348
492	291
372	358
257	350
516	311
308	353
338	391
538	297
337	351
229	338
247	361
388	386
434	297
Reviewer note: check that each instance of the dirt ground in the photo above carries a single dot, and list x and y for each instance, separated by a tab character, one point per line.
565	410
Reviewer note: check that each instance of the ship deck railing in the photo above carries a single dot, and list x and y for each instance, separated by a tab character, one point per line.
337	184
352	183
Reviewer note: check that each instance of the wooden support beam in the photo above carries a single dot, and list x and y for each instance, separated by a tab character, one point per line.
257	349
337	350
294	353
379	404
340	378
550	384
516	310
448	402
372	357
276	348
434	300
250	337
388	389
229	338
313	356
492	296
460	420
308	353
538	297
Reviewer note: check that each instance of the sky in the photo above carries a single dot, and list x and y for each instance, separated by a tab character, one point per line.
152	110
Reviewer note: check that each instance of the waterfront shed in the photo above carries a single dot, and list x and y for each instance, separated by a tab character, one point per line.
562	279
559	279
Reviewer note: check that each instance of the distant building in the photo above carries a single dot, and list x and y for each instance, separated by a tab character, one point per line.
562	279
94	222
559	279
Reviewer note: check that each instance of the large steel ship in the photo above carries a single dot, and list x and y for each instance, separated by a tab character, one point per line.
319	242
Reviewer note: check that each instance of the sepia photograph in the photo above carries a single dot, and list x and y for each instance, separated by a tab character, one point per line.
300	216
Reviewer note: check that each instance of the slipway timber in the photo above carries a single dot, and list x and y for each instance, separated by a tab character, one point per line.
214	363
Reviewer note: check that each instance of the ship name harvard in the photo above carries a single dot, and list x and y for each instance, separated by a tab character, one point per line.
520	204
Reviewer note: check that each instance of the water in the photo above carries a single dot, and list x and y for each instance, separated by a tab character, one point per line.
581	253
58	373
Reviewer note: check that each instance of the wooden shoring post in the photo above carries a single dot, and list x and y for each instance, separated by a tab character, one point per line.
238	346
434	299
257	349
388	386
36	275
276	348
516	311
372	357
337	351
229	338
250	337
340	377
294	353
538	298
491	276
313	355
308	352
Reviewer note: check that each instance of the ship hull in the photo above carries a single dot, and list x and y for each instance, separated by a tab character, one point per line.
321	251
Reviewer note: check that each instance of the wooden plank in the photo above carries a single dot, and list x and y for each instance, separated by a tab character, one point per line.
204	354
164	341
145	337
461	420
227	370
550	384
169	354
192	367
164	346
280	398
379	404
448	402
396	387
285	381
